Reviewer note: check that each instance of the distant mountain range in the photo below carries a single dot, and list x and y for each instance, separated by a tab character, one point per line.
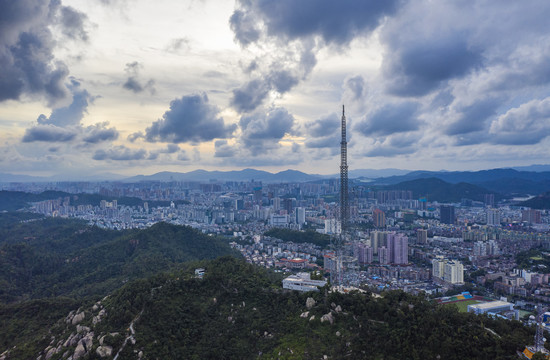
504	181
236	175
534	179
435	189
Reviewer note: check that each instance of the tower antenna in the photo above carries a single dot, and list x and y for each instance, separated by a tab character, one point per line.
337	278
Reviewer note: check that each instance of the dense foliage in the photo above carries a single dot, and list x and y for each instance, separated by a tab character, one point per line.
16	200
435	189
309	236
53	257
238	311
28	323
534	259
541	201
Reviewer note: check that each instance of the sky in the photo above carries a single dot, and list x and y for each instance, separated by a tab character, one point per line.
136	87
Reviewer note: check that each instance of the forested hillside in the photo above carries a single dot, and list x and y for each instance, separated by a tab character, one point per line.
239	311
53	257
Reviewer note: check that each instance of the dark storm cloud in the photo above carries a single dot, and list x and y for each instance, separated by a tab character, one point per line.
73	23
27	45
398	144
72	114
100	132
324	133
355	85
283	80
134	136
526	125
278	79
169	149
336	22
224	150
262	131
133	83
311	23
245	27
190	119
391	118
48	133
418	67
474	117
250	95
120	153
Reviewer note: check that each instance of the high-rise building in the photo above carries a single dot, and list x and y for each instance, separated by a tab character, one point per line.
531	216
447	214
377	240
454	272
438	267
383	255
490	200
287	205
493	217
379	218
421	236
300	215
450	271
276	203
398	248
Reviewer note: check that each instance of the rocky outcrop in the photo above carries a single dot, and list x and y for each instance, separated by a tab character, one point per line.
82	329
310	302
328	317
304	314
84	346
78	318
104	351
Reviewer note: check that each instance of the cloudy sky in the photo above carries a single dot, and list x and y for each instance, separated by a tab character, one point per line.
136	86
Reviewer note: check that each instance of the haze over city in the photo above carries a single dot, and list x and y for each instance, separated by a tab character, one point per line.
136	87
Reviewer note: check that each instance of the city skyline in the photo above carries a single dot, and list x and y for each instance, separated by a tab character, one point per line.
131	87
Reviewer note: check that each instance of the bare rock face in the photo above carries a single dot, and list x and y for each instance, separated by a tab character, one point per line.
328	317
78	318
82	329
310	302
84	346
312	318
304	314
50	353
104	351
80	351
338	309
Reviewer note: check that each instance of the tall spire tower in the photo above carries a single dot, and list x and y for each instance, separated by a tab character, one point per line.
344	200
337	272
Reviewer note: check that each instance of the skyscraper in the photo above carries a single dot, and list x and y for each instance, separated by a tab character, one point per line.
379	218
398	248
421	236
447	214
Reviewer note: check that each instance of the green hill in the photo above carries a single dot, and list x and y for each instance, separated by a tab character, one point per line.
435	189
239	311
53	257
16	200
541	201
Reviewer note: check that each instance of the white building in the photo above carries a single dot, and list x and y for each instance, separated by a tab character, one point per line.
332	226
450	271
454	272
302	282
279	220
490	307
300	215
493	217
